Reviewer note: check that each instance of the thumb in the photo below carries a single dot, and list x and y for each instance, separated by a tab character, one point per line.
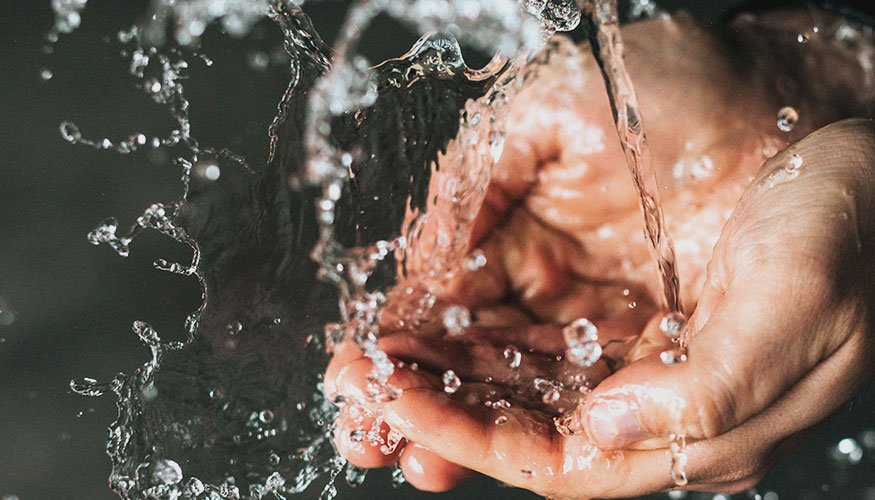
737	366
769	313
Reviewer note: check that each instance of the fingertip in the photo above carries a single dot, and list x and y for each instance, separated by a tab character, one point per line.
613	424
427	471
351	441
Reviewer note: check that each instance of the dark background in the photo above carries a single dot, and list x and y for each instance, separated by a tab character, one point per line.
73	304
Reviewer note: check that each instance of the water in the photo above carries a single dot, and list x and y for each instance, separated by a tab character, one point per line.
229	411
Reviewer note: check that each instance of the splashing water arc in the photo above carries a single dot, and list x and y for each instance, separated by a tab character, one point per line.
233	411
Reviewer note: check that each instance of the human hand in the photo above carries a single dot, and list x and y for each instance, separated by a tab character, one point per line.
561	243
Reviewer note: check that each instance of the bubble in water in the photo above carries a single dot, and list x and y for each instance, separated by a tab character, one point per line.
167	472
677	494
456	319
451	381
581	339
867	438
847	452
70	132
513	356
672	324
788	116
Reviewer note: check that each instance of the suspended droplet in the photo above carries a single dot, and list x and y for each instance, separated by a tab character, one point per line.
46	74
167	472
788	116
451	381
847	452
456	319
146	333
672	324
581	340
70	132
672	357
477	260
513	356
88	387
550	396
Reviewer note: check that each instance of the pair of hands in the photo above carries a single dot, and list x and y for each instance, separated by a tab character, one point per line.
775	258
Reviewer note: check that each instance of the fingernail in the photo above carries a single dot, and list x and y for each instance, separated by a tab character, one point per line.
612	424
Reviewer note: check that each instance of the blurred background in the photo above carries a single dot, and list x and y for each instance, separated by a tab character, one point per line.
66	307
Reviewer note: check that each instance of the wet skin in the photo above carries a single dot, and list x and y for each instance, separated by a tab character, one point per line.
776	265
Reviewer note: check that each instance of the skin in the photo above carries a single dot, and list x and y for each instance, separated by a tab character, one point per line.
776	266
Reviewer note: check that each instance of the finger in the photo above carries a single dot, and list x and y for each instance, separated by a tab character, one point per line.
363	440
344	353
524	450
427	471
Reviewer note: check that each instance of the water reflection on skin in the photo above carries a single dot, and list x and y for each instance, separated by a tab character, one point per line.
777	270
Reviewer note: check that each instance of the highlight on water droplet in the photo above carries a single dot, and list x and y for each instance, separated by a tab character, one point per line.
451	381
788	116
513	356
456	319
672	357
70	132
795	162
672	324
46	74
581	341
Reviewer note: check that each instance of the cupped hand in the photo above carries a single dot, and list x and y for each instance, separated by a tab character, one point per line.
780	332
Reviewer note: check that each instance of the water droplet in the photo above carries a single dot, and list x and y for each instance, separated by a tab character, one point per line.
795	162
788	116
477	260
672	357
46	74
672	325
265	416
802	38
88	387
451	381
167	472
513	356
581	340
550	396
70	132
501	420
274	482
258	61
146	333
847	452
234	328
456	319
